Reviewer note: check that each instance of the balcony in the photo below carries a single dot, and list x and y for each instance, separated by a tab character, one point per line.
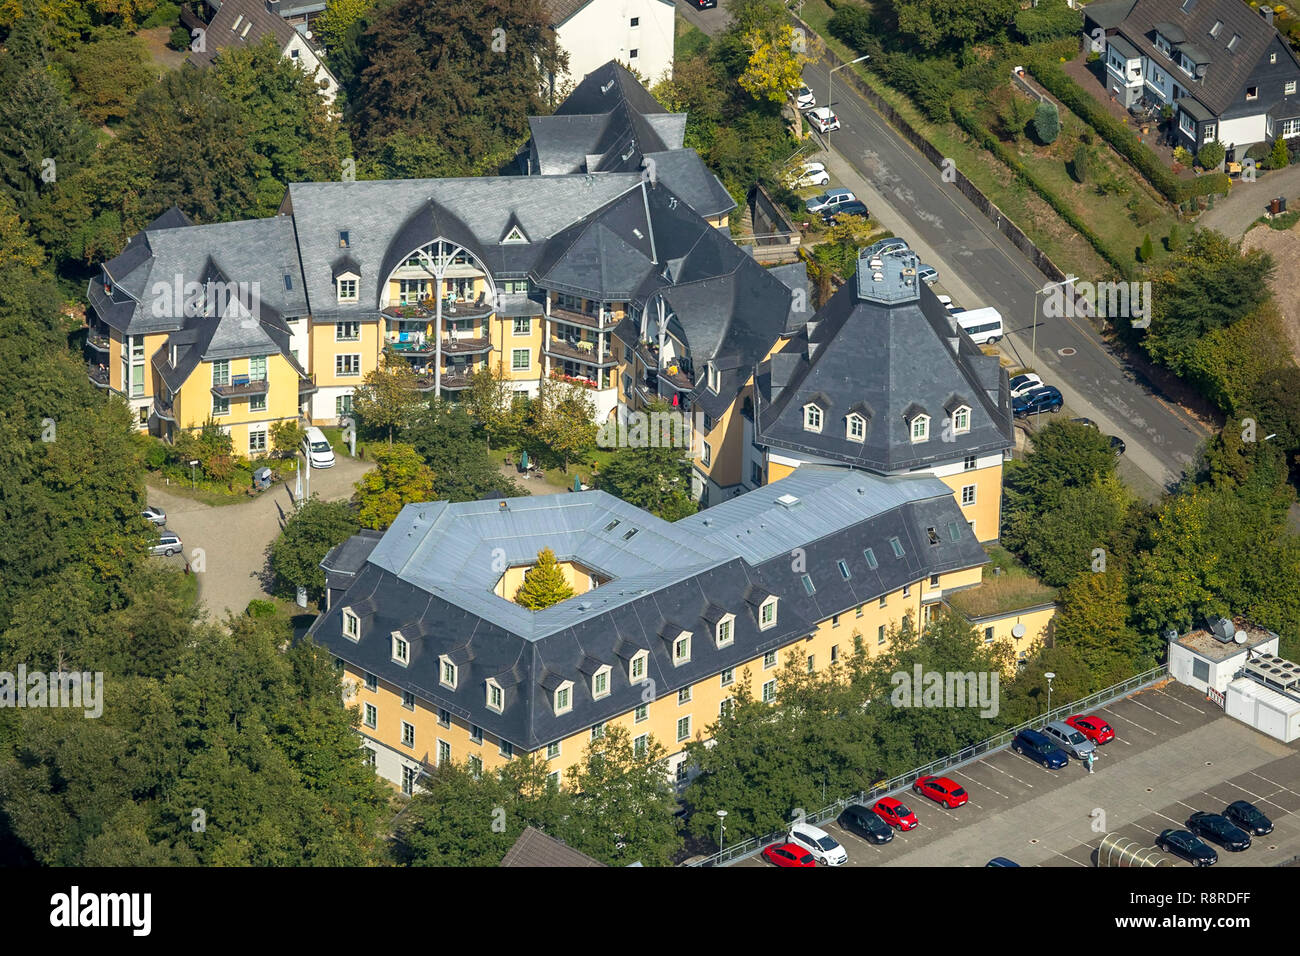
465	345
240	387
164	410
307	386
578	351
427	309
602	320
98	374
97	341
451	382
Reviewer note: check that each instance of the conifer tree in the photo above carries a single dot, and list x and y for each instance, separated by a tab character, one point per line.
544	584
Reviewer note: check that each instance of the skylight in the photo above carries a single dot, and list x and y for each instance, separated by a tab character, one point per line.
897	546
870	555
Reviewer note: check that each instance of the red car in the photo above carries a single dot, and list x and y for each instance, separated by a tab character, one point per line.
1094	728
941	790
788	854
895	813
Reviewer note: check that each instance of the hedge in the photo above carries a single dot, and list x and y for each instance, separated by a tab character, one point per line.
971	125
1122	139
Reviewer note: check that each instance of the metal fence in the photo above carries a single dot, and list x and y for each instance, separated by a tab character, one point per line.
961	758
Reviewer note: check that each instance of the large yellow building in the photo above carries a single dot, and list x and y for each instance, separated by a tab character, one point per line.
670	621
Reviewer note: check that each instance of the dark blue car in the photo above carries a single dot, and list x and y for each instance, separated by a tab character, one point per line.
1045	398
1032	744
1001	861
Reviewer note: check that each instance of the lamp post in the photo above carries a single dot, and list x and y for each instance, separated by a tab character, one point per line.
1050	676
722	815
1033	348
830	76
192	464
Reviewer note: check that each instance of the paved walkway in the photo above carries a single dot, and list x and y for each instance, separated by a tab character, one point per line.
1246	202
233	539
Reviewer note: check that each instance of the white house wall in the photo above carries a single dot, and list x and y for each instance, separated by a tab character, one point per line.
1242	131
601	31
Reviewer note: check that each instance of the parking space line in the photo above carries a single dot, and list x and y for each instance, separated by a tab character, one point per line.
983	786
1064	857
1257	797
1279	786
1011	775
1123	720
1154	711
1159	814
1187	705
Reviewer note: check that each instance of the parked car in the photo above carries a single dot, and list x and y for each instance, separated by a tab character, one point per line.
316	449
1219	829
1022	384
788	854
154	515
1032	744
941	790
854	208
823	847
830	200
1117	445
948	304
1247	816
865	823
808	174
803	98
169	543
1001	861
704	4
927	273
1072	741
1094	728
823	120
895	813
1045	398
1184	844
884	247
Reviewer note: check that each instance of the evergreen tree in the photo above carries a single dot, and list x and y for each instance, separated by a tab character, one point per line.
1047	122
544	584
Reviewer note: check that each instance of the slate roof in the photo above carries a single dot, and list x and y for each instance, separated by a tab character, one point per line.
431	577
535	848
887	353
222	33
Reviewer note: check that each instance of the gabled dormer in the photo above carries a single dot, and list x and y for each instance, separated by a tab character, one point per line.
346	273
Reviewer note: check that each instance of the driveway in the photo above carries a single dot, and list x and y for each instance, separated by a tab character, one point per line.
232	539
1246	202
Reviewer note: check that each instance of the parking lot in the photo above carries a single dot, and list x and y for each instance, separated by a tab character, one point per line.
1174	753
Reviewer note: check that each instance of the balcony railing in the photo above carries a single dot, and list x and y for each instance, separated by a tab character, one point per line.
164	410
599	320
578	351
241	388
451	382
98	374
97	341
307	386
428	309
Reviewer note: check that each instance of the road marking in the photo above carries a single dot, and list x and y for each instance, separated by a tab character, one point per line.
1011	775
1159	814
1279	786
1154	711
1187	705
1126	720
984	786
1064	857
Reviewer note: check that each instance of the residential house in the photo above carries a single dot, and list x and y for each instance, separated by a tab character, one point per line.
1222	66
668	622
883	379
244	23
638	33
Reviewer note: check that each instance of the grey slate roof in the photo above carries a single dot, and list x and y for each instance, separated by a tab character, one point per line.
892	355
222	34
431	577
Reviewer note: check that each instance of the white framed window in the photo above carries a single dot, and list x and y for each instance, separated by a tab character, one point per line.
728	676
562	700
706	454
967	495
640	745
880	636
370	756
683	728
475	734
401	650
342	406
408	734
347	331
347	289
1288	88
346	366
767	613
636	667
713	377
727	705
408	700
447	672
257	437
444	752
257	403
475	765
684	695
371	716
506	749
220	406
409	774
724	632
1207	134
961	419
769	692
496	697
769	660
641	714
372	681
1290	128
812	418
682	649
600	683
221	372
552	750
523	325
968	463
521	360
598	730
1187	124
856	428
351	625
444	717
921	428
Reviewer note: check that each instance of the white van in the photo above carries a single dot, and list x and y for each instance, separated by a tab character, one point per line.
984	326
823	847
316	449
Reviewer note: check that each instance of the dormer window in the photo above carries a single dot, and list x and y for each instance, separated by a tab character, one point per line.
1252	92
1232	44
767	614
401	649
1217	28
812	418
636	667
724	632
682	649
600	683
351	625
856	428
347	285
961	419
921	428
714	378
562	699
496	697
447	672
515	235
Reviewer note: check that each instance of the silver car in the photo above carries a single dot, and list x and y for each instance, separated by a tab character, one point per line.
1069	739
154	515
169	543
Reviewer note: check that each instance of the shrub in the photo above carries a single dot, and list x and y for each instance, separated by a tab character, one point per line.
851	24
180	38
1278	157
1211	155
1079	165
259	608
155	457
1175	241
1183	156
1050	20
1047	122
1147	253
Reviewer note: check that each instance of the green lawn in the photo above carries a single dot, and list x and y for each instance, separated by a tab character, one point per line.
1005	586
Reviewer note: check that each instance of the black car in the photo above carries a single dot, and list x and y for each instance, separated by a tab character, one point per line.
1045	398
1247	816
1032	744
1184	844
1219	829
704	4
853	208
1117	444
866	823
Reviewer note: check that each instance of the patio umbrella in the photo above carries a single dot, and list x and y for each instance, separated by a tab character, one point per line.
523	460
577	483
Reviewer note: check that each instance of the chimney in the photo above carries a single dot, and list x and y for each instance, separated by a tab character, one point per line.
1267	13
273	6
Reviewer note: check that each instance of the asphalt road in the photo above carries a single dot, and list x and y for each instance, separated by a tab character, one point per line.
981	267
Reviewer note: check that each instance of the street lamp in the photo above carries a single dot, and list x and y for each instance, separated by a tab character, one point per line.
192	464
1033	348
1050	676
830	75
722	815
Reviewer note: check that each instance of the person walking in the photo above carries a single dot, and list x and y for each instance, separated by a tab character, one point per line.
1090	762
